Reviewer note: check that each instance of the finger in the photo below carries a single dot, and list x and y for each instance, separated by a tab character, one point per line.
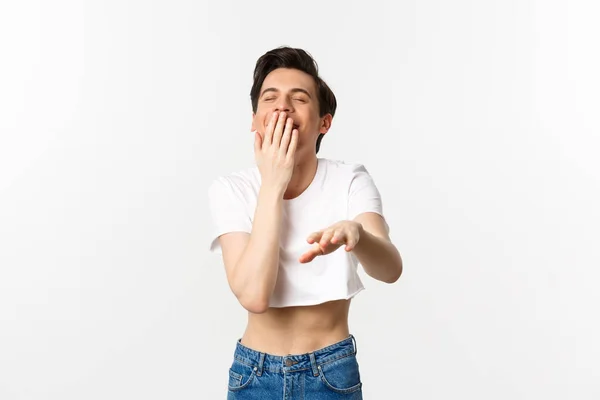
308	256
338	236
351	244
279	129
287	136
326	238
291	151
311	254
329	248
270	128
314	237
257	142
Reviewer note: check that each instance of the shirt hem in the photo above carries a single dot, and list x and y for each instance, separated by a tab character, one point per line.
315	302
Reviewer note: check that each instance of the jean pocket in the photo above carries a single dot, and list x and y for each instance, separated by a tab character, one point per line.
240	376
341	376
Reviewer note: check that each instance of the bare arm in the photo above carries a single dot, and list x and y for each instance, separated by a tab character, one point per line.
367	237
375	251
252	260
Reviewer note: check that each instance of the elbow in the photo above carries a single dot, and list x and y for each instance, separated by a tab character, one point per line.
394	278
256	307
253	298
397	273
254	303
250	298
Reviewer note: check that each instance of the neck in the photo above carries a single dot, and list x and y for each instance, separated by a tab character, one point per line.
303	175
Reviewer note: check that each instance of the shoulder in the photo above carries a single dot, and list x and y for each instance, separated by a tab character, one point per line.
245	181
347	168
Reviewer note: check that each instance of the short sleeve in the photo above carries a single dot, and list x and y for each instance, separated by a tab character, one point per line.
363	195
229	210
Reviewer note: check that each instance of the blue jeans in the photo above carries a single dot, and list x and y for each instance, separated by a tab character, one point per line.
329	373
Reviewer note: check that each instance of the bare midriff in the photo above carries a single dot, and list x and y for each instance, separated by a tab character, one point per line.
297	330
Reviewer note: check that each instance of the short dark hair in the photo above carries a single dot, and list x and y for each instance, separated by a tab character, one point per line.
287	57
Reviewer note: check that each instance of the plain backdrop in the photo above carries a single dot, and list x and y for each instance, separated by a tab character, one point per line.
478	120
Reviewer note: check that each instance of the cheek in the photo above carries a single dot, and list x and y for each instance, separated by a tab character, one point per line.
264	117
260	121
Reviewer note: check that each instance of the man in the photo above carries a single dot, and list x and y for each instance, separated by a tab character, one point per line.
280	226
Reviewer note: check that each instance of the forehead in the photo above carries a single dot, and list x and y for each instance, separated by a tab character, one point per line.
288	78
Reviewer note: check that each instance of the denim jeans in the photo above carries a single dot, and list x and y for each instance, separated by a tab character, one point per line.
329	373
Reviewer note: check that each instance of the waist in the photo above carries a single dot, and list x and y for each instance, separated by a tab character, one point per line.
296	330
295	362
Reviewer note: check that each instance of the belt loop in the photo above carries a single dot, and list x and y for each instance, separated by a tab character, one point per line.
313	363
261	363
355	346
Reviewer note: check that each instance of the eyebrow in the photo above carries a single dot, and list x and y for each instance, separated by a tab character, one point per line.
294	90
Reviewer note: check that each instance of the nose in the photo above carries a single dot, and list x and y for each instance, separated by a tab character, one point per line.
284	104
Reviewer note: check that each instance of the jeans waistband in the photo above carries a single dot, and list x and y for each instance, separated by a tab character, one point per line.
298	362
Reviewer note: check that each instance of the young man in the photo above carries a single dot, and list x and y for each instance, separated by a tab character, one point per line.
292	231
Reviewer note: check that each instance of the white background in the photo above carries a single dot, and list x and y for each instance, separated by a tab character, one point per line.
479	122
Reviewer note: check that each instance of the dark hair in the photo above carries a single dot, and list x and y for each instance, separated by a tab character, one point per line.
287	57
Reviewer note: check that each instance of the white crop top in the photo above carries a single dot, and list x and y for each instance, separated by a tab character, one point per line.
339	191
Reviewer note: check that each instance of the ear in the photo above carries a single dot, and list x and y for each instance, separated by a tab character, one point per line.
325	123
252	127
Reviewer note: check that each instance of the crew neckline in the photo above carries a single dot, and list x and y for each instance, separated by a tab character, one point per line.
304	197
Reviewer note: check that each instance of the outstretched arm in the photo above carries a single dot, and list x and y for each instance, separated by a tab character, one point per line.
367	236
375	251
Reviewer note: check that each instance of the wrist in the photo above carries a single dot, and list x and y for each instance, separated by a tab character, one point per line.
359	227
274	192
361	234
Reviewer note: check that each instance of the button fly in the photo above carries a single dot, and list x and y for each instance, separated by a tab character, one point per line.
289	362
